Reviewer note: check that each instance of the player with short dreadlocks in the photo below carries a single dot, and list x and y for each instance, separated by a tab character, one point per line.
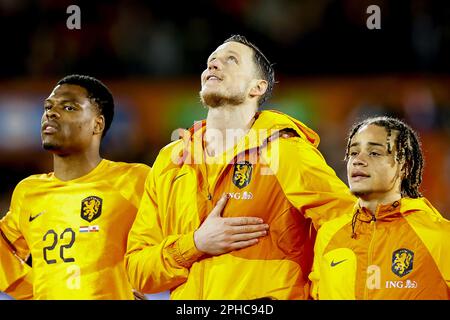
394	243
409	151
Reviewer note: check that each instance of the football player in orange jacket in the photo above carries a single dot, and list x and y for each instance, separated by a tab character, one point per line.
268	164
394	244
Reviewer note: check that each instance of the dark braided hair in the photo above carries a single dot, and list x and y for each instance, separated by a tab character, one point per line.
265	68
408	149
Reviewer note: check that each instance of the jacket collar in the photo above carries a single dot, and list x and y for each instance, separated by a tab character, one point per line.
266	128
382	212
401	207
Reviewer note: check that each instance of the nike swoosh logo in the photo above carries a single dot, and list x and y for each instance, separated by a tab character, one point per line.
179	176
336	263
32	218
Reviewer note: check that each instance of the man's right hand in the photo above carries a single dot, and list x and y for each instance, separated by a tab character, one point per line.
218	235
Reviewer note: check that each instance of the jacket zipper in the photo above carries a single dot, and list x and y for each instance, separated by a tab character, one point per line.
209	207
369	255
204	172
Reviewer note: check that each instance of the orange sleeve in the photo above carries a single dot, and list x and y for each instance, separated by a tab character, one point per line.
15	275
154	261
309	183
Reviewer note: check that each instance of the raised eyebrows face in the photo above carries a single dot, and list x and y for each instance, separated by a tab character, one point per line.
230	74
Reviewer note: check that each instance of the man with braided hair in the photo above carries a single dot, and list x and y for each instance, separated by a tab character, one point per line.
394	243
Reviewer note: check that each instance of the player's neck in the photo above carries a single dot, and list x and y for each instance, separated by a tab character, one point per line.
226	125
372	203
69	167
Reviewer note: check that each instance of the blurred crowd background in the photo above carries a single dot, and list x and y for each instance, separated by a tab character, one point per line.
331	71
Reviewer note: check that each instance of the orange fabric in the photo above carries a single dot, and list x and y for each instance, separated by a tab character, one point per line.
15	275
284	181
76	232
400	252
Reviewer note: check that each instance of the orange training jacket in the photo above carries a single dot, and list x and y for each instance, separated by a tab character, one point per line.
285	181
401	252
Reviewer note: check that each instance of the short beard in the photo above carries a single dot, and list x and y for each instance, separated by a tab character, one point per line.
214	100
